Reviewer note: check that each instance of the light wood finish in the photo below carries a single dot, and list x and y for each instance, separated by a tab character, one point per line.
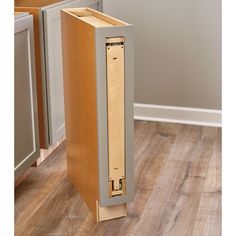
106	18
34	3
81	107
210	202
40	183
95	21
111	212
116	116
35	12
17	13
115	40
177	189
81	12
45	153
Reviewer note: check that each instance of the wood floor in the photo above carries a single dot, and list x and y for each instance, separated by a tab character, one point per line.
177	189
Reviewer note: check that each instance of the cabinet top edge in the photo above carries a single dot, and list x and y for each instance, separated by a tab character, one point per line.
94	18
38	3
18	15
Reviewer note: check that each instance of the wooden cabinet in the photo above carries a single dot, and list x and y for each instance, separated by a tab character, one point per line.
26	116
98	85
47	33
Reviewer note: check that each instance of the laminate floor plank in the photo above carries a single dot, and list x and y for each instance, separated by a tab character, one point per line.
177	189
39	182
208	220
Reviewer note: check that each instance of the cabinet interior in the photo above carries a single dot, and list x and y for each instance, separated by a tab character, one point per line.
95	18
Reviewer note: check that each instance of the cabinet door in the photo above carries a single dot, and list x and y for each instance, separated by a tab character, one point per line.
54	72
53	58
26	119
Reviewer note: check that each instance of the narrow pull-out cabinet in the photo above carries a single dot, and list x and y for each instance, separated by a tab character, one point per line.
26	116
98	89
48	53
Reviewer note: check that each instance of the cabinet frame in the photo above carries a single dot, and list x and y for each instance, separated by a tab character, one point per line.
101	34
86	34
24	22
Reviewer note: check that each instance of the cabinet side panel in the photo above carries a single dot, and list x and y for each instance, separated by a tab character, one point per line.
79	69
39	83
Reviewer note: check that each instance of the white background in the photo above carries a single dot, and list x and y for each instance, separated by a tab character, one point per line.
7	117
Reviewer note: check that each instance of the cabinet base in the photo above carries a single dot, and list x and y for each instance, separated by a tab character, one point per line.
19	180
45	153
111	212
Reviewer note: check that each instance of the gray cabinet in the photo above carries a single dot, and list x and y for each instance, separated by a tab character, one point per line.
98	74
53	64
49	63
26	119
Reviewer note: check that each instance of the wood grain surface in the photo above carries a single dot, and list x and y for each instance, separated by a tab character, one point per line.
79	71
104	19
116	115
35	3
177	189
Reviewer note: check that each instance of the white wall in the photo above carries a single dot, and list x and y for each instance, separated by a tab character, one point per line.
177	50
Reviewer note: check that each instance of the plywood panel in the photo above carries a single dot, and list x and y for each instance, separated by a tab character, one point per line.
90	12
80	107
106	18
34	3
96	22
115	116
111	212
